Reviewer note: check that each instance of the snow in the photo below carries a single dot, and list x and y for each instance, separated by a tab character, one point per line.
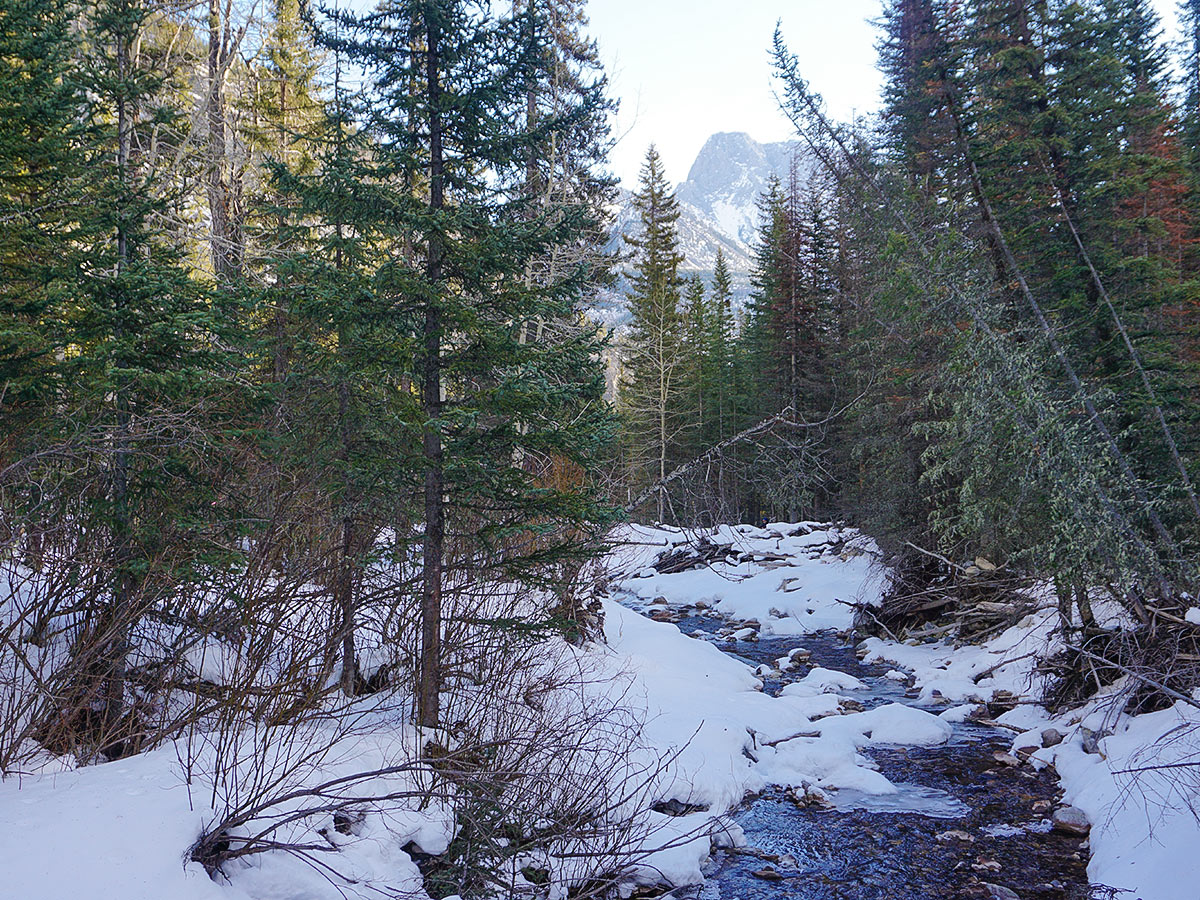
823	681
945	674
119	831
703	733
826	570
1144	833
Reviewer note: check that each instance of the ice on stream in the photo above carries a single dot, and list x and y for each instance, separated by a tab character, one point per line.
908	798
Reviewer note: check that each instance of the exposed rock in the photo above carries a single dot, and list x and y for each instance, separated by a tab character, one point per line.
1070	820
677	808
810	798
745	634
767	874
1006	759
1092	739
1000	892
1051	737
955	834
986	865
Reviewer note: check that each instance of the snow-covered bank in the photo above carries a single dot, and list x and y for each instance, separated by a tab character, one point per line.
1122	772
792	578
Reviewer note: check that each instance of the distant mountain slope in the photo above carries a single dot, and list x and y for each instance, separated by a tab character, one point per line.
729	175
718	206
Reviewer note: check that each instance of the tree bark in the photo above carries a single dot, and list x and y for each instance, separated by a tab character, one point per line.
430	671
113	630
225	238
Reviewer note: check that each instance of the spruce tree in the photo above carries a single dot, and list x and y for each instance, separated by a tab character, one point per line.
43	185
141	392
448	81
652	355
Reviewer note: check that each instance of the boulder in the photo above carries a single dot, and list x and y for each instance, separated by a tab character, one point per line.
1051	737
1071	820
1091	740
767	874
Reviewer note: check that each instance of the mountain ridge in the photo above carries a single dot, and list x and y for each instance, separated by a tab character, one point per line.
718	210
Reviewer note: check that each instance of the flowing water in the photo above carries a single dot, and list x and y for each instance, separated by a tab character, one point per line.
962	825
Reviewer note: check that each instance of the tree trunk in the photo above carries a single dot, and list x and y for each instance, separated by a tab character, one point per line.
225	239
343	603
113	630
430	672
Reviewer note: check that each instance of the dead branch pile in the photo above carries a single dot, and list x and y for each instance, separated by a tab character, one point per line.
696	555
929	596
1160	662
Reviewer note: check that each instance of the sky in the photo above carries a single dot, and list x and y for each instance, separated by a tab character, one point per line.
685	69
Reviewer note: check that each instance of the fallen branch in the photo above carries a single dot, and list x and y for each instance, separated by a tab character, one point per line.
784	417
781	417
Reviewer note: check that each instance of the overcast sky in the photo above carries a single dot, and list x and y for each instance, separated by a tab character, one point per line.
685	69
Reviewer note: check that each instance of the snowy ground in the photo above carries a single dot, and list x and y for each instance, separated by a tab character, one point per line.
123	830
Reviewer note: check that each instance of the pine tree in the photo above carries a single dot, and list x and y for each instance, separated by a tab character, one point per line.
652	358
145	380
916	58
695	406
42	181
448	81
720	349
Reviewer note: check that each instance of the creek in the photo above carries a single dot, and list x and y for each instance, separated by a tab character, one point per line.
963	824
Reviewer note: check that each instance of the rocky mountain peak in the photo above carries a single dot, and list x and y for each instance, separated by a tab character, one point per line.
718	205
730	173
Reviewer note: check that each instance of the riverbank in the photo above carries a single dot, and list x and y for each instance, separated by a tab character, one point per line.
773	581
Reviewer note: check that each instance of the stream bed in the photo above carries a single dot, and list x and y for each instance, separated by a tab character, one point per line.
963	824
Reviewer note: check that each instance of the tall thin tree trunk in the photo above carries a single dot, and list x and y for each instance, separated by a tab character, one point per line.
225	239
344	575
430	672
114	631
343	602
